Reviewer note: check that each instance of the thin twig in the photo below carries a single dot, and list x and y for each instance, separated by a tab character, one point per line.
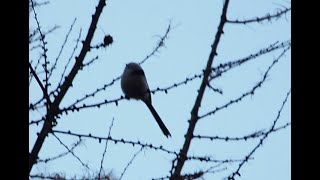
130	162
70	151
105	149
232	177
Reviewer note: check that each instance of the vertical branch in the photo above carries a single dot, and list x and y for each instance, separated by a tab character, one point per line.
54	107
194	112
42	36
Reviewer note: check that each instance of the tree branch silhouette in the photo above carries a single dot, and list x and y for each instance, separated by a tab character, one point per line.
54	107
237	172
133	143
70	151
105	149
267	17
62	154
130	162
194	113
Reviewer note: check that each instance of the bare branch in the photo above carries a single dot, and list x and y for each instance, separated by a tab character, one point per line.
62	47
40	84
263	18
54	109
70	151
37	121
42	37
90	62
105	149
107	40
160	44
195	109
130	162
62	154
245	138
250	92
231	177
74	49
144	145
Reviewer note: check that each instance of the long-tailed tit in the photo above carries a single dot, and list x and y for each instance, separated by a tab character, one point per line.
134	85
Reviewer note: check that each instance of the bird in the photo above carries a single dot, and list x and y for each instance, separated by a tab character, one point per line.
134	85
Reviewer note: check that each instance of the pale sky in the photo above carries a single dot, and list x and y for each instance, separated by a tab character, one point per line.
135	27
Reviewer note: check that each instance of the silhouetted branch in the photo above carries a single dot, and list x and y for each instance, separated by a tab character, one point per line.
133	143
36	121
200	173
245	138
107	40
35	69
42	37
61	49
195	175
70	151
90	62
62	154
65	68
194	113
214	89
250	92
33	38
42	176
222	68
209	159
105	149
130	162
232	177
268	17
37	4
53	111
160	44
40	84
83	106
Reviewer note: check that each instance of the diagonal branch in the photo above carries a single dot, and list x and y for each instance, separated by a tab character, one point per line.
105	150
70	150
45	94
130	162
194	112
53	111
231	177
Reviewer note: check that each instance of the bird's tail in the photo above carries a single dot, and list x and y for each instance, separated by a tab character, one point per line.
158	119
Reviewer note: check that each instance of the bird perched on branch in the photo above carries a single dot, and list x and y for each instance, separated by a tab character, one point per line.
134	85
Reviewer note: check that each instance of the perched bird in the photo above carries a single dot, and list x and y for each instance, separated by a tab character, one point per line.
134	85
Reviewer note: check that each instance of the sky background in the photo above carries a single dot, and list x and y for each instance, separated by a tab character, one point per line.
135	27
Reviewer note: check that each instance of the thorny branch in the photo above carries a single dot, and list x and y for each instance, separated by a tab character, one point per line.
194	113
232	177
251	92
53	110
245	138
105	149
260	19
70	151
62	154
130	162
62	47
133	143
